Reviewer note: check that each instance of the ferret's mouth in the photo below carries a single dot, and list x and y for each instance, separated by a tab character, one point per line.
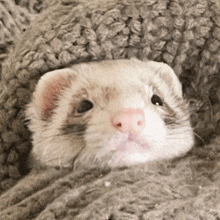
132	146
132	143
128	143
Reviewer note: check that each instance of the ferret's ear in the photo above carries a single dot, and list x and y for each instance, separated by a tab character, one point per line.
167	74
48	89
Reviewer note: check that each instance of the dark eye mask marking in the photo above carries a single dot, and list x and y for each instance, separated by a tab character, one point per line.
78	129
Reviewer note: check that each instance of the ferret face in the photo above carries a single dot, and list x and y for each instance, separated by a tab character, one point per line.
109	114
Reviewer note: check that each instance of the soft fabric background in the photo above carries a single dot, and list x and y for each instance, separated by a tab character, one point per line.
184	34
15	17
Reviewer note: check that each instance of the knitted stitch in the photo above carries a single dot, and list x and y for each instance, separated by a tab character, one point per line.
184	189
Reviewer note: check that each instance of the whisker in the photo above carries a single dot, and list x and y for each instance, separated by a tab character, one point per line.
198	136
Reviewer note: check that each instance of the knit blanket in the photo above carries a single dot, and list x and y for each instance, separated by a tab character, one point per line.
39	36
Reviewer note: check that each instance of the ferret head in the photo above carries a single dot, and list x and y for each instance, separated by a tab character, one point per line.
109	114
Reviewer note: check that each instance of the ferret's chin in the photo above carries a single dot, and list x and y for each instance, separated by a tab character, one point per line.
131	146
124	150
131	154
123	142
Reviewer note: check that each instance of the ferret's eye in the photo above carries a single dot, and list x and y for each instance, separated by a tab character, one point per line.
84	106
156	100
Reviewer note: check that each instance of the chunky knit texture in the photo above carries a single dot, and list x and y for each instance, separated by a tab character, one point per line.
184	189
13	20
184	34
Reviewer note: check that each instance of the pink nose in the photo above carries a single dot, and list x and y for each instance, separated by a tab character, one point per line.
129	120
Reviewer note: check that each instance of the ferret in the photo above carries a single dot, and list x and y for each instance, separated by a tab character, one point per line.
110	113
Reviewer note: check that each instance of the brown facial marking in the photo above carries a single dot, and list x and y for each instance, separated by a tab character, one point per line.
78	129
81	94
169	120
170	116
76	123
109	93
